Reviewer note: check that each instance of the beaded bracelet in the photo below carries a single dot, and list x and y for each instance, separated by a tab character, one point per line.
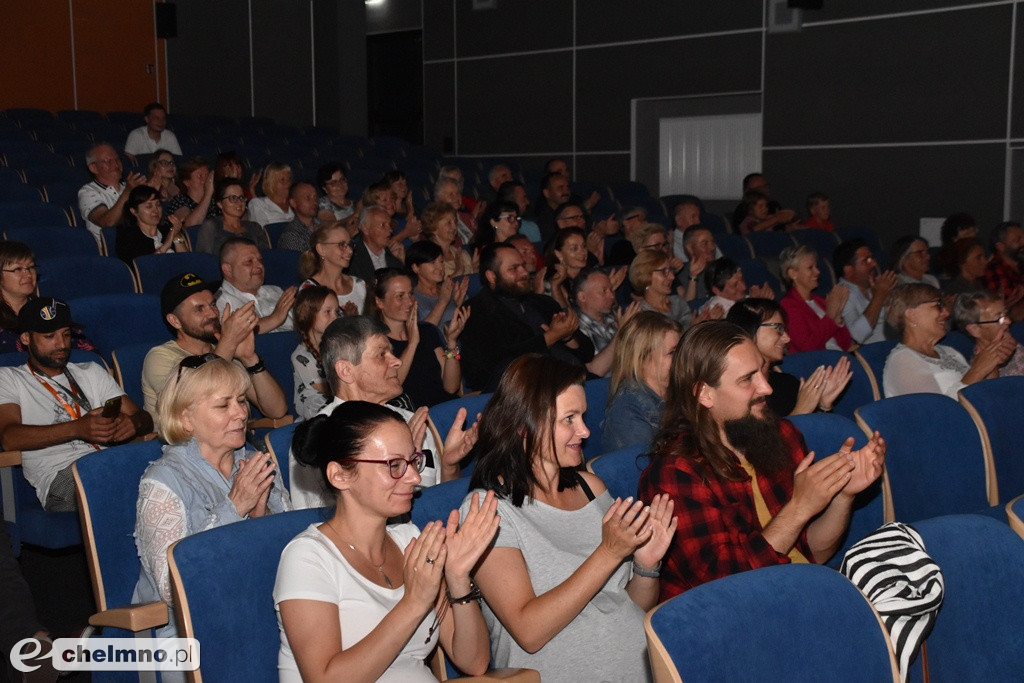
653	573
456	354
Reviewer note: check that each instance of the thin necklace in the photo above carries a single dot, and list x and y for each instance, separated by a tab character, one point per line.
378	567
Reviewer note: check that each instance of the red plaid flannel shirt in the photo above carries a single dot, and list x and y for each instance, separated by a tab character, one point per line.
1001	277
719	533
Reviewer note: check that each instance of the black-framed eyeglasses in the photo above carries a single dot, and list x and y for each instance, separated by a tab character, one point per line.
778	327
195	362
576	217
235	198
340	245
510	217
397	467
658	246
938	302
21	270
1003	319
666	270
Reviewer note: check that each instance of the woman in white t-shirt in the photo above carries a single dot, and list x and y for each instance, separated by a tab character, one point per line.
359	599
324	264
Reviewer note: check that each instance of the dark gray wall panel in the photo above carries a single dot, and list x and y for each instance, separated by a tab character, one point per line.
340	45
282	64
515	26
612	21
208	62
1017	119
609	77
393	15
891	188
439	113
836	9
504	110
602	167
928	77
438	29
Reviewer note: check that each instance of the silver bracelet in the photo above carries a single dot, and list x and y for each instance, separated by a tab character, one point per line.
647	573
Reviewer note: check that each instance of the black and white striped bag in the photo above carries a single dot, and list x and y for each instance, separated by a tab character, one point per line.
895	573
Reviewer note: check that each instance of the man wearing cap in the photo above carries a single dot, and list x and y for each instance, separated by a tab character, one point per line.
187	305
241	264
51	410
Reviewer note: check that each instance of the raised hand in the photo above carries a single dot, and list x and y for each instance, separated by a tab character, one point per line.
617	276
808	396
468	541
663	524
458	442
761	292
867	462
457	325
883	283
459	293
834	302
815	484
836	379
624	528
418	426
423	567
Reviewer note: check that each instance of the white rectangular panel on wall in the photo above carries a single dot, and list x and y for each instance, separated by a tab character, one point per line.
708	156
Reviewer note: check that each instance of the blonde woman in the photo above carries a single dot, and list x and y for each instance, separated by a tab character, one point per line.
652	275
324	264
440	226
273	207
644	347
206	477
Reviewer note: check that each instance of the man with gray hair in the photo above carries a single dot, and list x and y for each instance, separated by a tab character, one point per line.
359	366
374	249
101	201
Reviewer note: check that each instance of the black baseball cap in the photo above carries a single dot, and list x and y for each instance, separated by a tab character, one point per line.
44	314
181	287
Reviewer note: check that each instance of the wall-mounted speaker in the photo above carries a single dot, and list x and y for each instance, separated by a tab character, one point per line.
166	20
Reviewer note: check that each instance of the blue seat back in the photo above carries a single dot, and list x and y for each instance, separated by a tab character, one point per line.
443	414
995	404
934	459
34	525
155	270
281	267
859	391
279	442
108	481
436	502
128	361
51	241
114	320
620	470
873	357
822	241
14	358
733	246
70	277
961	342
274	231
977	636
275	349
824	434
755	272
711	633
769	244
597	398
31	214
225	578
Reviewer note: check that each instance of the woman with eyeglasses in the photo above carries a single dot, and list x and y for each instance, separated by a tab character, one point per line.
144	230
334	204
912	259
18	280
324	264
499	222
161	175
315	308
652	276
982	316
764	321
572	570
359	599
919	364
231	201
206	477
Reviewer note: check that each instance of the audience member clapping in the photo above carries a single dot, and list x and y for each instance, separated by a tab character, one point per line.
652	277
359	598
437	295
571	571
440	225
214	232
335	204
273	207
911	260
144	230
815	322
193	204
162	174
315	308
982	315
241	264
324	264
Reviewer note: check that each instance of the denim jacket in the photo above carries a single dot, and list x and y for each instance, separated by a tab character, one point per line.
633	416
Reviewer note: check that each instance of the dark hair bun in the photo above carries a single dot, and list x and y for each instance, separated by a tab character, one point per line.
308	440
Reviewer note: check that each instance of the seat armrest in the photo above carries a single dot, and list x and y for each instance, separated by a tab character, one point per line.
271	422
133	618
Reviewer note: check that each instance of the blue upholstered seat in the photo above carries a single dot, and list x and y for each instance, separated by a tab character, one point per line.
620	470
111	321
154	270
597	398
69	277
994	406
792	622
223	583
872	358
279	442
934	463
977	636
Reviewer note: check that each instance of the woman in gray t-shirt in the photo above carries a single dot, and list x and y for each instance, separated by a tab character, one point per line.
562	596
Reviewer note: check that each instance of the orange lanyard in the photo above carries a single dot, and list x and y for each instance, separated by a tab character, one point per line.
75	411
